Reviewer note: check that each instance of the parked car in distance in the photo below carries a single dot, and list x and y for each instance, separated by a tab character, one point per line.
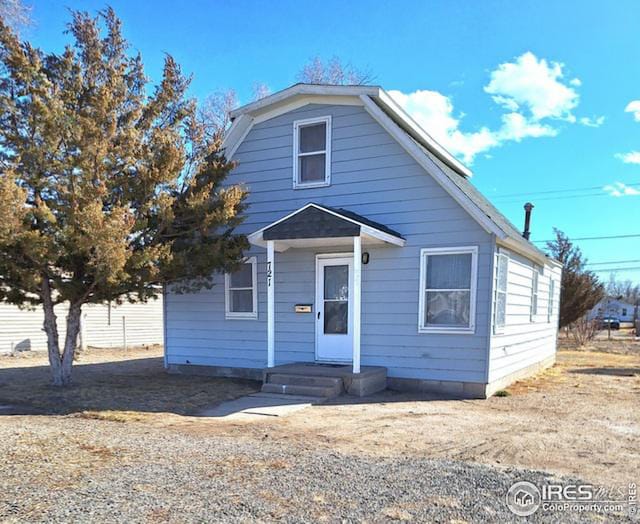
606	322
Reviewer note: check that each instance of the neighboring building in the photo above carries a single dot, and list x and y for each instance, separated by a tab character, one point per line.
611	307
370	249
102	326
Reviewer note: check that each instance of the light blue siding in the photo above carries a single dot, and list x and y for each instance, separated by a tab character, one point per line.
371	174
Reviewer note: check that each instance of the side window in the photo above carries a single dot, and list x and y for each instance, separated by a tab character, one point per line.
552	293
312	152
448	280
534	295
500	295
241	292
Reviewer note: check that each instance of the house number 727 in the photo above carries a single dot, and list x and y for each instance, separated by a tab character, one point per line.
269	274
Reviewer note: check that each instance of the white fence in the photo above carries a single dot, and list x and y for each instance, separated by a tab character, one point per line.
102	326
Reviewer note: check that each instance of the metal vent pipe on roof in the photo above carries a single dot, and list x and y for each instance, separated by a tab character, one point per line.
527	220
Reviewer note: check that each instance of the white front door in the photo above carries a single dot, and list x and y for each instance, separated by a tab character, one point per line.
334	308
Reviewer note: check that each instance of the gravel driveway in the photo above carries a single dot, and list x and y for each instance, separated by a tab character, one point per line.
95	470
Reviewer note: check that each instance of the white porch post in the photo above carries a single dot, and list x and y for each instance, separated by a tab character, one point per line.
357	278
270	305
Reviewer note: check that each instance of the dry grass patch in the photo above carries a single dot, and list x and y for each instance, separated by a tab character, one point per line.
111	385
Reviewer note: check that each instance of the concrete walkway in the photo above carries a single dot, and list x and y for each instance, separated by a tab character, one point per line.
260	406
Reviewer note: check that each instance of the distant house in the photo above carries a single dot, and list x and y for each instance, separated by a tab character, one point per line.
611	307
372	255
102	326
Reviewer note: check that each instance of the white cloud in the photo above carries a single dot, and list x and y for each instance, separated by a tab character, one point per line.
595	121
634	107
618	189
516	127
533	85
434	112
530	90
632	157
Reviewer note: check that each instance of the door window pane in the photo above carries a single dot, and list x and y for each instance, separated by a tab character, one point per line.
447	308
449	271
311	168
336	282
313	138
336	317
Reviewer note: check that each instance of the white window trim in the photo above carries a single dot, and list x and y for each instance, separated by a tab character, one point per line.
552	291
248	315
424	253
498	330
327	152
535	283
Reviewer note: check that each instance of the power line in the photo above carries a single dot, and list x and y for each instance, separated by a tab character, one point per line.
611	262
554	191
611	270
635	235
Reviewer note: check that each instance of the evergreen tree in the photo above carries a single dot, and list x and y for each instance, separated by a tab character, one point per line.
581	290
107	192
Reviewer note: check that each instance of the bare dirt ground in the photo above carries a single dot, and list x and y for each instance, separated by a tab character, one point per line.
127	427
579	418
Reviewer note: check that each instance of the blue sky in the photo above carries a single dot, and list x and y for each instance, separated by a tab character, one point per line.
531	94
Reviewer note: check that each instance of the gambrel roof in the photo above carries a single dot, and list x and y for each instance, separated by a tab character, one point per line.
448	171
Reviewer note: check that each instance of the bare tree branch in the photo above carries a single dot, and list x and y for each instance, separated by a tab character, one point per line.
333	72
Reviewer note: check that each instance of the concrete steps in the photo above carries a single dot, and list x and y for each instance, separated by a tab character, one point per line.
323	380
305	385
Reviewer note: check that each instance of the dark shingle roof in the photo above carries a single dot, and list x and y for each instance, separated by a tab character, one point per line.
318	221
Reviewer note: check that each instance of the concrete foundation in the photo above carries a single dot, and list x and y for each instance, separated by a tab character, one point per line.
370	380
470	390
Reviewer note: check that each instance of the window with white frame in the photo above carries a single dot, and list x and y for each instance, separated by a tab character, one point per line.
534	295
312	152
241	291
552	292
500	294
448	279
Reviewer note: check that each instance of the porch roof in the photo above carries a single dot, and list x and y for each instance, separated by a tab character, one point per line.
316	225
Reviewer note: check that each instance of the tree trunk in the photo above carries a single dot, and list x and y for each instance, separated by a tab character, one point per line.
51	329
71	341
61	364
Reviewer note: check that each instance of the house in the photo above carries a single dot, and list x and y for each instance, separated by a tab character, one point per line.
102	326
373	259
613	307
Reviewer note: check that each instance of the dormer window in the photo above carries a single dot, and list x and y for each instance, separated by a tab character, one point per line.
312	152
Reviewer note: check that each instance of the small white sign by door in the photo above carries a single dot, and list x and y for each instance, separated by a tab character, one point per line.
334	308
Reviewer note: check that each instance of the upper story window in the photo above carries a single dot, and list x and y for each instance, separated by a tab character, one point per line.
312	152
241	291
448	278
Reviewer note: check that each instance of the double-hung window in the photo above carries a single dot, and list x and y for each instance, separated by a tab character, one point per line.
552	292
500	292
534	295
241	291
312	152
448	278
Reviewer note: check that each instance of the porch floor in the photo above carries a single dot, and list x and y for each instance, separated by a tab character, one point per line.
324	379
